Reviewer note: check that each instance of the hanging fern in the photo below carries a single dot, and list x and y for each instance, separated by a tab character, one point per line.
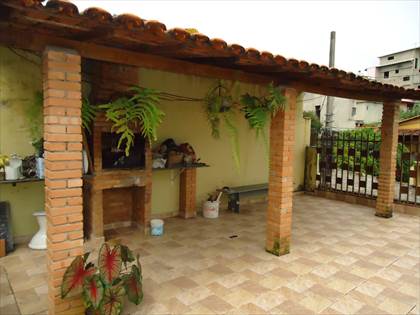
34	117
259	110
88	114
127	114
219	108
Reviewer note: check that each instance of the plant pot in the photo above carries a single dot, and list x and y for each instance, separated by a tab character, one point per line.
40	167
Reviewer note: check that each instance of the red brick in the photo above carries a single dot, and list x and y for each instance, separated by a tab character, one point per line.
282	134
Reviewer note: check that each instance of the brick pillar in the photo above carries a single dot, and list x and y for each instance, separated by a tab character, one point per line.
187	193
280	186
63	170
387	159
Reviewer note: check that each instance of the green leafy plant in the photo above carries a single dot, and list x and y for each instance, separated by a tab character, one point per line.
259	110
104	287
4	160
88	114
315	122
128	113
219	107
412	112
34	121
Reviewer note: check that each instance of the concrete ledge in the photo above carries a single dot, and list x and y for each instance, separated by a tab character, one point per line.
364	201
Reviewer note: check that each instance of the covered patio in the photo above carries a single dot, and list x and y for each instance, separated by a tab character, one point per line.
344	261
339	255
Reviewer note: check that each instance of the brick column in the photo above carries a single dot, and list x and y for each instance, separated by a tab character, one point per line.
63	170
280	186
187	193
387	159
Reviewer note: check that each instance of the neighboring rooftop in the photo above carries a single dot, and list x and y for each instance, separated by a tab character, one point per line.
401	51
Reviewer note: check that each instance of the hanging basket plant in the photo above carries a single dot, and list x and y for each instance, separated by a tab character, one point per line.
130	113
220	109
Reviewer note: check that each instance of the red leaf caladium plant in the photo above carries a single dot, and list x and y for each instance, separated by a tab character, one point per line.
104	287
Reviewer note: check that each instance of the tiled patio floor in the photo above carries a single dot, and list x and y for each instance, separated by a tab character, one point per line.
344	260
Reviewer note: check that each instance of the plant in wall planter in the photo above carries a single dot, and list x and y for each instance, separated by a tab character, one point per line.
259	110
104	288
138	111
219	106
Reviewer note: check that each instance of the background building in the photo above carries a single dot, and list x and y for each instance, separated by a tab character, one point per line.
400	68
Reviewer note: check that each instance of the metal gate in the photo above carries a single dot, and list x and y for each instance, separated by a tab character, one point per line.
348	162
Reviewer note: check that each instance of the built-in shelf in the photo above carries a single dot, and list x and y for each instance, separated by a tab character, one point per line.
182	166
21	181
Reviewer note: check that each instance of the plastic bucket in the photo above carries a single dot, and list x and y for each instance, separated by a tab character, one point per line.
157	227
211	209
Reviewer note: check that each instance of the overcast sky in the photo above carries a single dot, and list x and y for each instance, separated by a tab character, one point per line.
294	29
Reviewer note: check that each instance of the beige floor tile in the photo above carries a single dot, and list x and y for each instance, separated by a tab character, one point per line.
269	300
216	304
394	307
314	302
239	297
366	265
291	308
347	305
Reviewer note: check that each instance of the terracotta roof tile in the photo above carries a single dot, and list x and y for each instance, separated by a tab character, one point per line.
98	14
156	32
129	21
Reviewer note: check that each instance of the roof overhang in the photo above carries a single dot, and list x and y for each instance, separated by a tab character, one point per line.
128	39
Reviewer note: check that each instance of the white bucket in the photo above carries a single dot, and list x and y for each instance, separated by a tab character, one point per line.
157	227
211	209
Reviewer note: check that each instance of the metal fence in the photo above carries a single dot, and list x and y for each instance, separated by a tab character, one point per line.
348	161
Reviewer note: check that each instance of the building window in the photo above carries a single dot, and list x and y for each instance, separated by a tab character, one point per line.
416	63
318	111
353	111
406	78
386	74
397	71
391	58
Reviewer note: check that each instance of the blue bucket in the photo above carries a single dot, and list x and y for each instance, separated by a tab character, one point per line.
157	227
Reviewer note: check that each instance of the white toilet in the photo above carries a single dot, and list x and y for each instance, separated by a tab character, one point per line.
39	240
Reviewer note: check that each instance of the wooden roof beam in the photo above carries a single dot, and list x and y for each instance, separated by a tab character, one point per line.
38	42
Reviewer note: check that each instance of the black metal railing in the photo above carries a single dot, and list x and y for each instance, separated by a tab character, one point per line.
348	161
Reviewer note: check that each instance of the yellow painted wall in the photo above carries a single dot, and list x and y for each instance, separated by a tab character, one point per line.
19	80
186	122
410	124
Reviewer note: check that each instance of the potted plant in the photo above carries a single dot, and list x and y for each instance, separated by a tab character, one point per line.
104	287
138	111
4	160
